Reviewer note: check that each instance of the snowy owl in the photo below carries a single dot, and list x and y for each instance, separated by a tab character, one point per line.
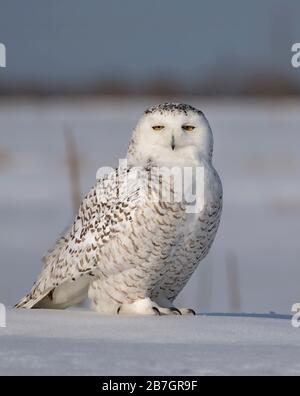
128	252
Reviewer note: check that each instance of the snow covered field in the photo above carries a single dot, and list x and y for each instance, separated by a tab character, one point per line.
257	156
79	342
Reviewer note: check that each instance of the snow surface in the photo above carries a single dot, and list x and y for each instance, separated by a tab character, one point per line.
78	342
257	156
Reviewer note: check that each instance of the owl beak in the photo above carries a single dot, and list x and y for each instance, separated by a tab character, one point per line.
173	143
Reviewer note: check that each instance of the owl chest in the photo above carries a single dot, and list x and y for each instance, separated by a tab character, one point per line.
198	230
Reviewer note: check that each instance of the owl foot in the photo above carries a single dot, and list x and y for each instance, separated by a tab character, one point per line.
146	306
187	311
176	311
140	307
169	311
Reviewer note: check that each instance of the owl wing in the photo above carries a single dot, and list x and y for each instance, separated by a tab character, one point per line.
103	214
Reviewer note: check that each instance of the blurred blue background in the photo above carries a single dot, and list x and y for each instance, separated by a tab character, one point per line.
135	46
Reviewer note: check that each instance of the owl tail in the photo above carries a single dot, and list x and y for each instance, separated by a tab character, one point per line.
29	302
33	298
25	302
39	289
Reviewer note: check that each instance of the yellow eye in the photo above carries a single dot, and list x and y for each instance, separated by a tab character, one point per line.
188	128
158	127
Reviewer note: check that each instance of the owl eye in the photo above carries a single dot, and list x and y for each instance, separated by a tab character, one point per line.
188	128
158	127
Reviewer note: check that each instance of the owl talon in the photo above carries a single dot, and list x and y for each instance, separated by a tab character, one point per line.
175	311
187	311
156	311
169	311
140	307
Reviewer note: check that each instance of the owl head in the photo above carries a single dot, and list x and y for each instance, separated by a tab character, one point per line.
170	134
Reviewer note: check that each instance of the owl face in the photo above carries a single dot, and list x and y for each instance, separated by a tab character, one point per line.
168	133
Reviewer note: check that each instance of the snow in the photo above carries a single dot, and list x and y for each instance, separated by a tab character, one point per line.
41	342
257	156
